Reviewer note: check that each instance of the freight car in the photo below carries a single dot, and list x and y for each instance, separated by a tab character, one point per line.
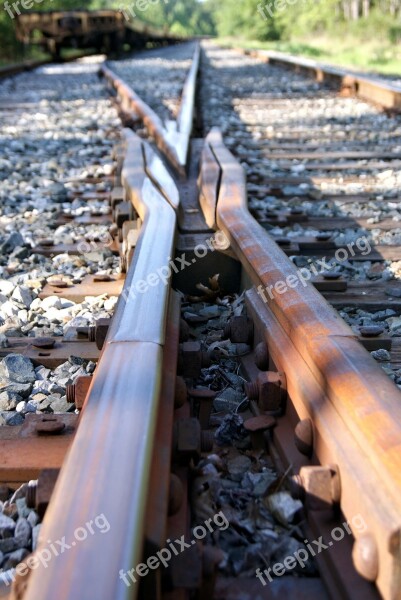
105	30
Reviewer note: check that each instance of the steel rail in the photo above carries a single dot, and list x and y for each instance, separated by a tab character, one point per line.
173	139
354	406
367	87
107	468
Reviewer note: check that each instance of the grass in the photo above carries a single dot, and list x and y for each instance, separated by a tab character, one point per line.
372	56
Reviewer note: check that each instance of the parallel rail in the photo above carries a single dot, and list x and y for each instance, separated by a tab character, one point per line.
354	407
366	87
107	469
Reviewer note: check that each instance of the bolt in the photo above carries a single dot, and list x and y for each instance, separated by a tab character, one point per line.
77	391
192	359
365	557
331	276
181	392
101	331
30	494
207	440
49	426
269	389
239	330
257	427
320	486
46	242
205	398
176	495
262	356
304	437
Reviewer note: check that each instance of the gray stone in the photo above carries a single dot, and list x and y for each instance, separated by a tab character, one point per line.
259	483
23	532
22	389
15	558
14	239
51	302
238	466
6	287
381	354
33	518
13	418
18	368
60	405
23	510
9	545
22	295
7	526
283	507
9	400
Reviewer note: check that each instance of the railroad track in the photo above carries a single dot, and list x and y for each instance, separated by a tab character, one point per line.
235	430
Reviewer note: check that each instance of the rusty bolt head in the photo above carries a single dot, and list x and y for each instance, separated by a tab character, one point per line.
187	439
101	331
49	426
239	330
205	398
319	485
270	390
46	242
304	437
365	557
191	359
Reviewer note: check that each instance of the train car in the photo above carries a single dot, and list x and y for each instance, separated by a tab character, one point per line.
53	30
106	30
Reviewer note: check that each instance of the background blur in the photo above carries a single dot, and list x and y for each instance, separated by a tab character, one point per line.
362	33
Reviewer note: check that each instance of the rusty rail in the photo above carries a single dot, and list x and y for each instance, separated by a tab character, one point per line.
173	140
107	469
366	87
355	408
